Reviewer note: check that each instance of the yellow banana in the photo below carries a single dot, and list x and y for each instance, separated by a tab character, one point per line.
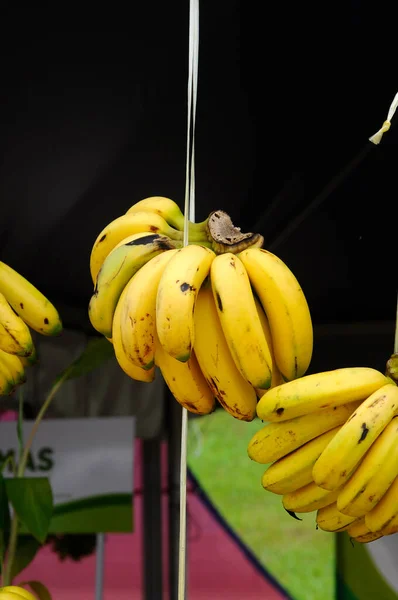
329	518
127	225
12	596
15	336
349	445
138	315
276	378
32	359
385	513
392	526
286	308
360	532
232	391
240	321
368	537
294	470
275	440
357	528
116	271
15	592
185	381
171	213
319	390
371	480
7	384
15	367
175	303
6	595
28	302
122	358
308	498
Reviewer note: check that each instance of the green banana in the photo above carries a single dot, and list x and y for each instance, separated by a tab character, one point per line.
137	222
170	211
116	271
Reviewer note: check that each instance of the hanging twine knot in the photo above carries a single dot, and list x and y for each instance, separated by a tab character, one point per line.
376	138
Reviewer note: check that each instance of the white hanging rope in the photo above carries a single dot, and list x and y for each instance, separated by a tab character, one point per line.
376	138
189	207
189	215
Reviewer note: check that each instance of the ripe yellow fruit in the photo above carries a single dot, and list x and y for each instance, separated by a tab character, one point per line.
14	592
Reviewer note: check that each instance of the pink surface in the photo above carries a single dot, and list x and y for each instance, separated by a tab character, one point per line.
217	567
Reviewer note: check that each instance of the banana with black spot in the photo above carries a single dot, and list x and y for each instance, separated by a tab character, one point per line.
127	225
29	303
240	320
350	444
177	292
15	336
117	270
233	392
294	470
275	440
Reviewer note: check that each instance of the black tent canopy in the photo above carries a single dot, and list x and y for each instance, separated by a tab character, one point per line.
93	121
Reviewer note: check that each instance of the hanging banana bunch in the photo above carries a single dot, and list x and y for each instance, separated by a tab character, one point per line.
331	445
221	318
23	309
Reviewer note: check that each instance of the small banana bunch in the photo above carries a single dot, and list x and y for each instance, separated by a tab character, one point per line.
332	441
14	592
221	318
22	308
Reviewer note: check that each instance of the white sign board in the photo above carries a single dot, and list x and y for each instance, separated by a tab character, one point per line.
384	553
89	463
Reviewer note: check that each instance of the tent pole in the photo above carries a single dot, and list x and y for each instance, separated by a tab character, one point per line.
174	413
152	519
99	566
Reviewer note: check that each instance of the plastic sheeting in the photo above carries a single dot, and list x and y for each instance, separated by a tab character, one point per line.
107	391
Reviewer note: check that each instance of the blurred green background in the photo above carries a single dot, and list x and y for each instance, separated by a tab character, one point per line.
301	557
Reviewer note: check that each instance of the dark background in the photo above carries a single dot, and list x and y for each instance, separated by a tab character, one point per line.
94	120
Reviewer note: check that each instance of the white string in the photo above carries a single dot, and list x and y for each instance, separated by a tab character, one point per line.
189	207
376	138
195	61
189	215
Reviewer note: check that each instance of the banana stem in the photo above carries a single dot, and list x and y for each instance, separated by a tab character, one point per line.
12	544
198	227
39	418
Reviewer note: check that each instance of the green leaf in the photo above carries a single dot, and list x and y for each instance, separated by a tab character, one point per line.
9	462
39	589
4	519
32	500
97	351
27	548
